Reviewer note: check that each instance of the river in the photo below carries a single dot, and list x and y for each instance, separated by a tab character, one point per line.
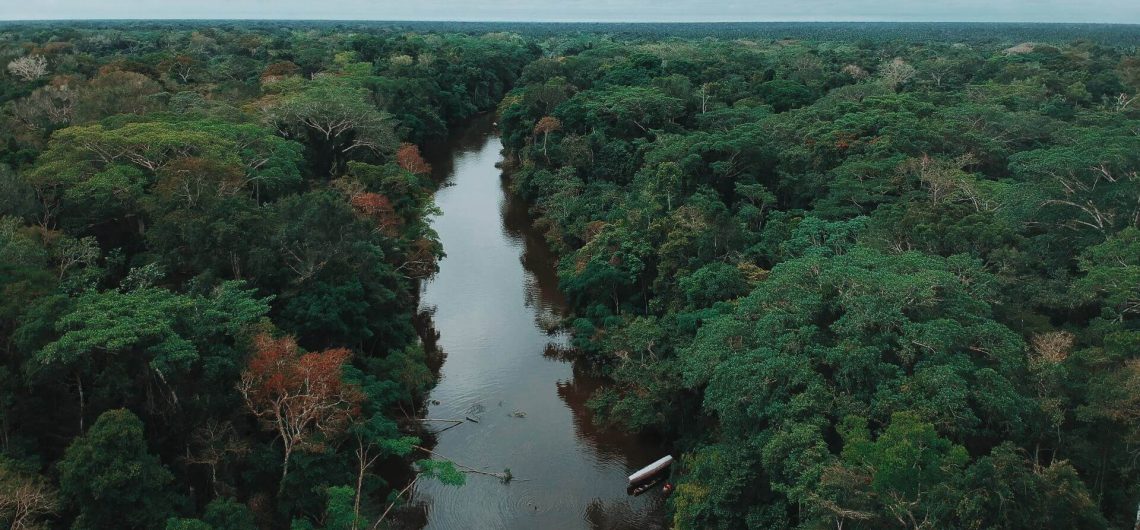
495	294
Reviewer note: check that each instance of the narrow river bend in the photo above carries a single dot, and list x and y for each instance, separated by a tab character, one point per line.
494	295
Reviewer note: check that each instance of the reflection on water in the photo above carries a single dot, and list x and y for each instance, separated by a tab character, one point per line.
495	292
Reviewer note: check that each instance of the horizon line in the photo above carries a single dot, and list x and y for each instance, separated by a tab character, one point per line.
612	22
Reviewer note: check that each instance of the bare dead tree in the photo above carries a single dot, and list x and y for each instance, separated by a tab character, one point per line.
47	105
896	73
29	67
212	445
25	499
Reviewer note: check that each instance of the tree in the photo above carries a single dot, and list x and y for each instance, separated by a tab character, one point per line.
855	71
300	396
268	162
150	146
1093	179
1042	496
29	67
278	71
121	347
26	500
102	173
111	478
110	331
225	513
712	283
609	267
118	92
339	513
909	470
182	66
626	112
18	247
545	126
662	180
549	94
313	231
379	208
106	173
896	73
213	445
944	180
408	157
48	106
783	94
336	120
70	252
1113	272
705	95
846	328
375	435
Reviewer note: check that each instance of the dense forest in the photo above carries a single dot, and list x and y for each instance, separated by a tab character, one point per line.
862	285
860	276
210	245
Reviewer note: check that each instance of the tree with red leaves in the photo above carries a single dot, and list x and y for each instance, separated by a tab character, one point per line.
380	208
545	126
408	157
301	396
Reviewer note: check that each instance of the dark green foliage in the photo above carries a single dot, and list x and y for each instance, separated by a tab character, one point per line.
109	476
442	471
863	284
783	94
168	196
227	514
187	524
864	275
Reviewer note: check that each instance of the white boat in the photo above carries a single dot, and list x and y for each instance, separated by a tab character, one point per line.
652	469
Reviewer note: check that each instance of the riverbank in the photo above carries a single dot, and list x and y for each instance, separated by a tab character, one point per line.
491	304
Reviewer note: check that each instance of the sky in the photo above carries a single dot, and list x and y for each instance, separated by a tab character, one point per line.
1115	11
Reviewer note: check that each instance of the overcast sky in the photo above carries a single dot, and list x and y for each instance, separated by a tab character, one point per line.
1119	11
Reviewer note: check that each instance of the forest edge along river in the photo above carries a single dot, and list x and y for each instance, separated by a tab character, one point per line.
491	303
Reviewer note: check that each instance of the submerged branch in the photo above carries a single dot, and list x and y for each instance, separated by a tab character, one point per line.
505	476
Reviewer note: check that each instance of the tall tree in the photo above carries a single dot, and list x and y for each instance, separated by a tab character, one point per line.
301	397
109	476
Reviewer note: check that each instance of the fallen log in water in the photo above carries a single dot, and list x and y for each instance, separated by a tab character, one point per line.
638	489
506	476
454	423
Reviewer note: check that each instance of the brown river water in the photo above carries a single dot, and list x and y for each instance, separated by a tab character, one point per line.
494	295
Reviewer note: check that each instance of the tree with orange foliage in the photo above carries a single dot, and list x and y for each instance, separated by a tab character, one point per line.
408	157
301	396
278	71
380	208
545	126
